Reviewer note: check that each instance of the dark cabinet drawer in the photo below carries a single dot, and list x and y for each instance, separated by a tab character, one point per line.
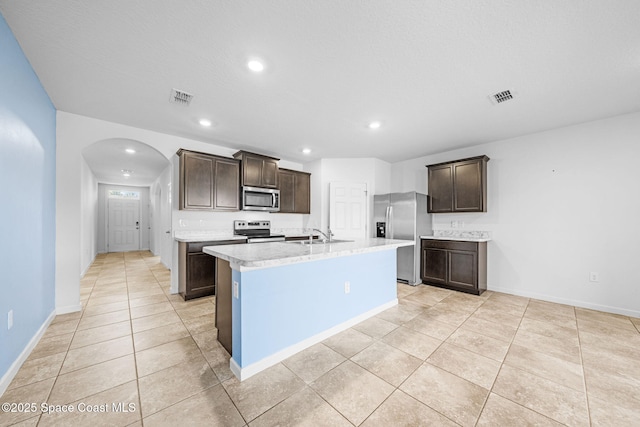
453	245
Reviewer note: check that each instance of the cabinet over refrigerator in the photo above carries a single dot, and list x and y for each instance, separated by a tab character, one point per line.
403	216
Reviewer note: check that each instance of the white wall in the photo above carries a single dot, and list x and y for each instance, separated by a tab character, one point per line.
89	217
160	215
561	204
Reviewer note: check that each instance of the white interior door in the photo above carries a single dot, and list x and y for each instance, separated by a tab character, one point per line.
348	209
124	225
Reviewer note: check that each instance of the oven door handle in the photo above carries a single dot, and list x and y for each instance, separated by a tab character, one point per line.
264	239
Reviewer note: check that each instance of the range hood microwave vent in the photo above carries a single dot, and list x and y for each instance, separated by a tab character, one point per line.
501	97
180	97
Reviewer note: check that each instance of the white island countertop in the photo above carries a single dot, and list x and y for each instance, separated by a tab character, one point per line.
266	255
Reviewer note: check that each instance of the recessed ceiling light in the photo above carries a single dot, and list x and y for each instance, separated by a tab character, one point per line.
374	125
126	175
130	150
255	66
126	172
204	122
306	151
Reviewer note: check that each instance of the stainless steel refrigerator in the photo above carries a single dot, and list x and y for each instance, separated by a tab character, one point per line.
403	216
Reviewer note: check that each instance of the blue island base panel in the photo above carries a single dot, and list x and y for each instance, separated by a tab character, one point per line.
282	310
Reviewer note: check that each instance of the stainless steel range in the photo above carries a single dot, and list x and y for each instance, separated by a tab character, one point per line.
256	231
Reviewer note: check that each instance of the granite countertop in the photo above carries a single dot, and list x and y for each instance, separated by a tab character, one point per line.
265	255
205	236
460	236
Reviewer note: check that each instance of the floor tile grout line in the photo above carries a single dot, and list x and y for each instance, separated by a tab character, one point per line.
443	341
584	374
308	385
173	308
220	382
395	388
57	377
135	358
502	363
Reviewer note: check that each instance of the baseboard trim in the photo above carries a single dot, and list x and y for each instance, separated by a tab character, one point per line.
15	366
88	266
566	301
250	370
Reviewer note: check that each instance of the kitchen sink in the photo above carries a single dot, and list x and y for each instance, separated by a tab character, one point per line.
318	241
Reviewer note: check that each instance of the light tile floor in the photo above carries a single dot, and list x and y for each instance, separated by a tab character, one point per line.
438	358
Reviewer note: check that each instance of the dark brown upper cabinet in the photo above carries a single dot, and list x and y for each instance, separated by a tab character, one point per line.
208	182
295	191
257	170
459	186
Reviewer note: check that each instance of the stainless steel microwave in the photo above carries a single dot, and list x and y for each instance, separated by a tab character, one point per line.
260	199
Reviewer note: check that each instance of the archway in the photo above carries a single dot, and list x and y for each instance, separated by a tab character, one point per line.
117	169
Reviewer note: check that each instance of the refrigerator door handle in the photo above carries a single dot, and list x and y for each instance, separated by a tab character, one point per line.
390	222
386	222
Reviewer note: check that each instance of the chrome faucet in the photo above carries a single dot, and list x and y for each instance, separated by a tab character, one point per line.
327	237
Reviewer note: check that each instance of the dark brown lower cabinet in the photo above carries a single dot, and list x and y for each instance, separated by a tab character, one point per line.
197	270
461	266
224	293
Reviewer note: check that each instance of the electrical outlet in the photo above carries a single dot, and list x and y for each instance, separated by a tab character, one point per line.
347	287
594	277
454	224
236	290
10	319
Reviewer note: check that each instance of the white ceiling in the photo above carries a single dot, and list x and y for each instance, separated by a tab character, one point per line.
425	69
108	158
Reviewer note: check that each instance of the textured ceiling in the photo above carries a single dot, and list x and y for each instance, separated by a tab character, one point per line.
108	158
425	69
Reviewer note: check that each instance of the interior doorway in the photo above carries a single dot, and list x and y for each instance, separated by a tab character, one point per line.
120	207
123	223
348	209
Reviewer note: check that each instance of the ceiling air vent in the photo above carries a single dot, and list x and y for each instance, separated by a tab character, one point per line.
180	97
500	97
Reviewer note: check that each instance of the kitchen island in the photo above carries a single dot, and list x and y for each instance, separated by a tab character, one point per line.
287	296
